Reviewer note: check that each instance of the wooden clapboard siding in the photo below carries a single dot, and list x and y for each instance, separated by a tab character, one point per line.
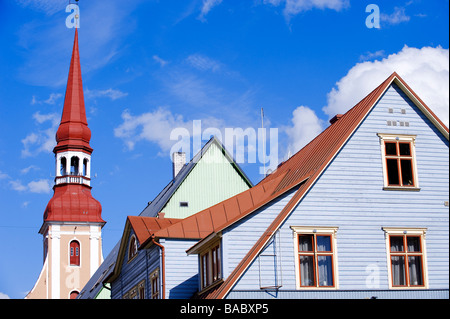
349	195
181	269
136	270
238	239
211	181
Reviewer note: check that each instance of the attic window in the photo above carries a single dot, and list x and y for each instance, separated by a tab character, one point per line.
399	163
184	204
132	248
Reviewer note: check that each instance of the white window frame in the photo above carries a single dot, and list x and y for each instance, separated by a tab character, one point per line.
405	139
398	231
319	230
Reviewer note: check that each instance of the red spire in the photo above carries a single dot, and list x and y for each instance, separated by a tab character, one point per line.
72	200
73	132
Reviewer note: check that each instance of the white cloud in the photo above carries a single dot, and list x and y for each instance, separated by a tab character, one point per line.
156	127
3	296
397	17
101	37
17	186
207	7
305	127
42	186
3	175
26	170
203	63
211	97
425	70
293	7
372	55
49	7
152	126
43	140
109	93
161	61
51	99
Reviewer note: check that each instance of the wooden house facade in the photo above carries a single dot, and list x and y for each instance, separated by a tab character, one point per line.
359	212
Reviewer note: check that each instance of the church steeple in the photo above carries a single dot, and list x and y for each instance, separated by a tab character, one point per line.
73	217
73	132
72	200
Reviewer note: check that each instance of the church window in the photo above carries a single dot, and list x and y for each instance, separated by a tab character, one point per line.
74	253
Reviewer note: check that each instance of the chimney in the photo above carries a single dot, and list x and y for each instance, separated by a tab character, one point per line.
161	215
336	118
179	160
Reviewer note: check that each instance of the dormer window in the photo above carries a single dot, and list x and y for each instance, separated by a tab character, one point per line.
210	266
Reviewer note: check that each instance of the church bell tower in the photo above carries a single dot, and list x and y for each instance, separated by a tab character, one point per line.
72	219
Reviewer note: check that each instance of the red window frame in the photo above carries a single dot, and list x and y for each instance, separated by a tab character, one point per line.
315	253
74	253
399	158
405	253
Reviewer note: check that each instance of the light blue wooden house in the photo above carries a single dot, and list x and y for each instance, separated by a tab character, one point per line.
360	212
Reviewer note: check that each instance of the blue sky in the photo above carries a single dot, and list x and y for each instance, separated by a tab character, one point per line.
152	66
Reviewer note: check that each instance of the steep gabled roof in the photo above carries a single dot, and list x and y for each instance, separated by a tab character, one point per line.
156	207
309	163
